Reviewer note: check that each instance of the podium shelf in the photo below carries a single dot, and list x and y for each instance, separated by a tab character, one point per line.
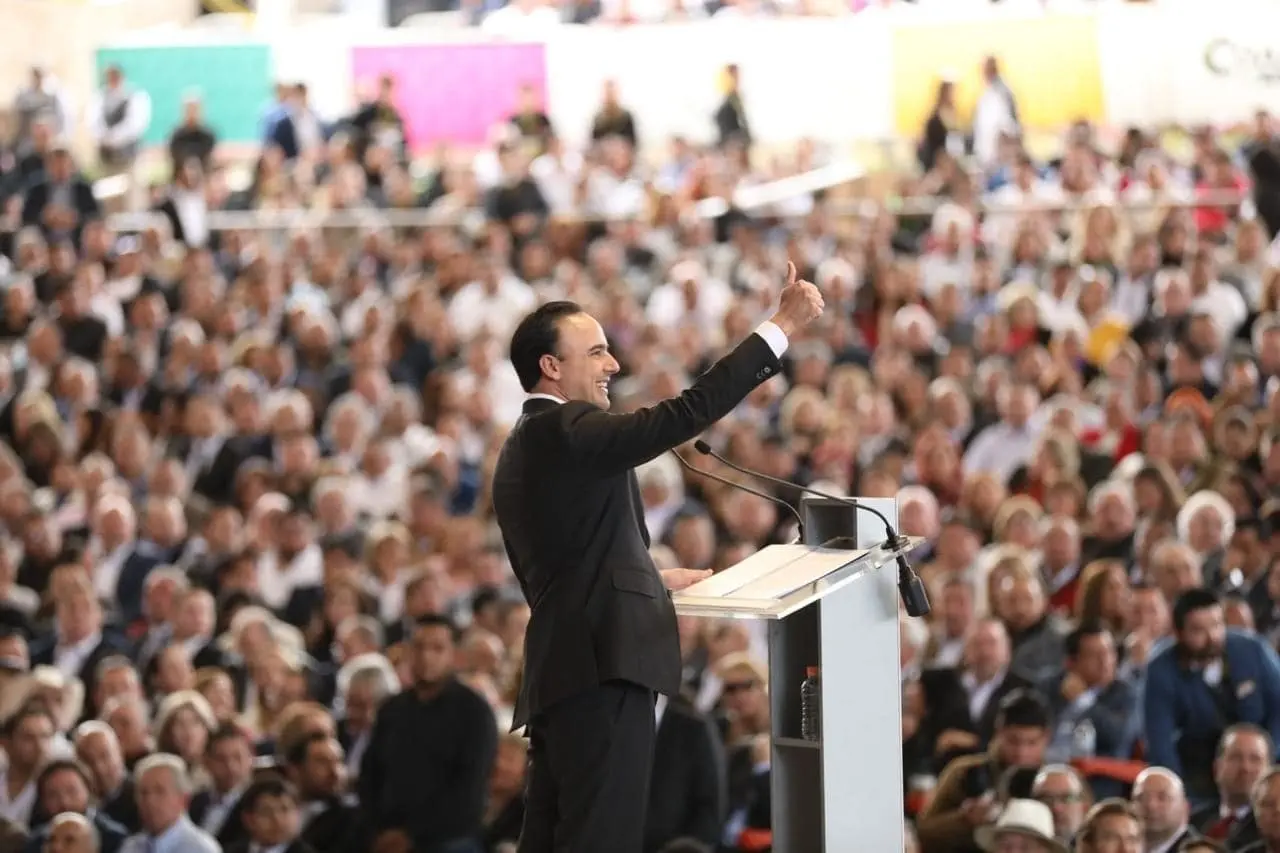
797	743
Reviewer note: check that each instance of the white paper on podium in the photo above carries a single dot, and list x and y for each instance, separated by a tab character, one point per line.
775	581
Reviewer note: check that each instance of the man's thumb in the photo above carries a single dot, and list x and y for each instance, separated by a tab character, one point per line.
791	273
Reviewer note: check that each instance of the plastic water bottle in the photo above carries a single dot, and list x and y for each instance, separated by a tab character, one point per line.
1084	740
810	705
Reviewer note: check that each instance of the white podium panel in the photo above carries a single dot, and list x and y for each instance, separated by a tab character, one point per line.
835	608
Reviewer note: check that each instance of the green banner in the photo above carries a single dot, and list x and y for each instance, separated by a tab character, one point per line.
233	81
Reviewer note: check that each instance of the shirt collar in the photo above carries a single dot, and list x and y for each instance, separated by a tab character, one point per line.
83	647
541	396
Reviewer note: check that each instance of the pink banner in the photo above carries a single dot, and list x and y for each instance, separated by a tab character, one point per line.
453	92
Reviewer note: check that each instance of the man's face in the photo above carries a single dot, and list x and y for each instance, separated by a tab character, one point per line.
361	705
160	800
230	763
1062	795
1117	833
101	755
1161	805
273	821
1022	746
29	744
986	651
1243	761
1096	661
323	774
433	651
582	366
64	791
1204	634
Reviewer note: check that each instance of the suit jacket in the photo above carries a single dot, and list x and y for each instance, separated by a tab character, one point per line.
232	831
82	200
1183	717
1114	715
1243	831
688	788
13	838
122	807
341	827
947	687
42	652
568	503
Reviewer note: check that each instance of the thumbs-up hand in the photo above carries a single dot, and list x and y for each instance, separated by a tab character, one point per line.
799	304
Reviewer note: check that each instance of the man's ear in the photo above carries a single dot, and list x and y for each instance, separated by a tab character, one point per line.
550	366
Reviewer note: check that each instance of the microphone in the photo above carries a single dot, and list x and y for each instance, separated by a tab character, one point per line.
910	587
771	498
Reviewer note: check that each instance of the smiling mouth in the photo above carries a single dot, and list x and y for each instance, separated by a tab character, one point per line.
603	386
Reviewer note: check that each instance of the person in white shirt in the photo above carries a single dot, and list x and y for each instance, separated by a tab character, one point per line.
28	743
164	787
995	116
1004	446
119	117
494	302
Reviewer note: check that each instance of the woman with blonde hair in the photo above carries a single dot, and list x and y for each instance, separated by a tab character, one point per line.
1105	597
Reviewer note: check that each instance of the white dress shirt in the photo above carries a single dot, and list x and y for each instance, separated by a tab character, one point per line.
220	809
980	694
18	809
70	659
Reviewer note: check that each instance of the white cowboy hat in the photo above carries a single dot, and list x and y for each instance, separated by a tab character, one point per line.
1028	818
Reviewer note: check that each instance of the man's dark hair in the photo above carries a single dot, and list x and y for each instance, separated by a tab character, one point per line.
57	766
1198	598
297	754
437	620
269	785
537	335
1023	709
32	708
226	731
1071	645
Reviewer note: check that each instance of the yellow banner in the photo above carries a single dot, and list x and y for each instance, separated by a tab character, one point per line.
1051	63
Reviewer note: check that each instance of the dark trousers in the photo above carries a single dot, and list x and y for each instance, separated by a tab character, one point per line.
590	759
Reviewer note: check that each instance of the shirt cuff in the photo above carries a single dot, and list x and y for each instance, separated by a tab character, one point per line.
774	337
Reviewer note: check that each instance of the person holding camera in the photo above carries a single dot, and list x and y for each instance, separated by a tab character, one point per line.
965	798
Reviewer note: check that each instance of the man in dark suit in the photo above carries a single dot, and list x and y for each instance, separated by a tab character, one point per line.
1088	696
687	795
79	641
602	638
1244	756
63	201
271	818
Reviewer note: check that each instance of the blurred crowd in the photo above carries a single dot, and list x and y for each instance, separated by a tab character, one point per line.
251	592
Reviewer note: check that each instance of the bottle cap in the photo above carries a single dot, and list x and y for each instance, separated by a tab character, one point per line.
811	671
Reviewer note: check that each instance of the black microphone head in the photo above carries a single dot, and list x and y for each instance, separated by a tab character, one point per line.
702	447
915	597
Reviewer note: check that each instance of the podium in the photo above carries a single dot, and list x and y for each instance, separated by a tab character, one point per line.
831	601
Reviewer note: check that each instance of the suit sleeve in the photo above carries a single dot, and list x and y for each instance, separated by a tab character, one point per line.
1116	721
1269	682
609	444
1158	702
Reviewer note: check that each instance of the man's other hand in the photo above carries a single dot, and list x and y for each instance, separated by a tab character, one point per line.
678	579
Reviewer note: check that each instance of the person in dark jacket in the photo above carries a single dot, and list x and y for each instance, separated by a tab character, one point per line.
1206	681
